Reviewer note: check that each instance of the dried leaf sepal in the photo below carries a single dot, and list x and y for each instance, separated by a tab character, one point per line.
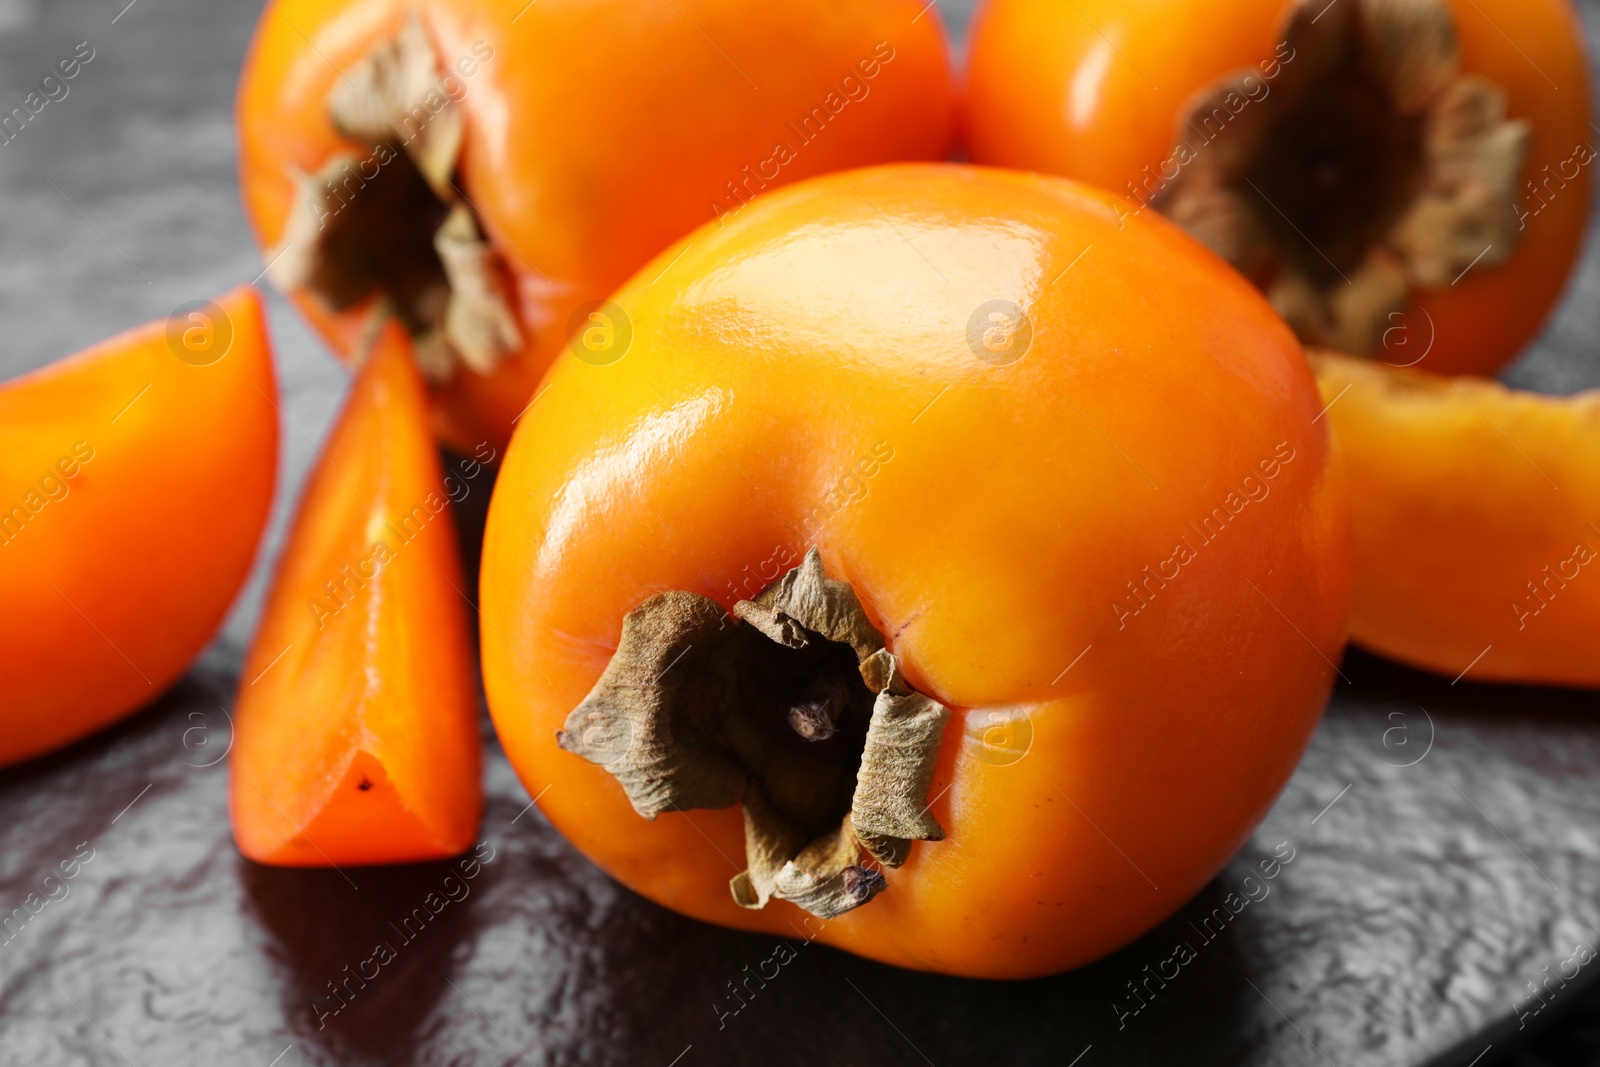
393	224
1449	159
790	705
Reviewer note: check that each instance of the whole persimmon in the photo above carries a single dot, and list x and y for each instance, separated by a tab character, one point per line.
491	169
1405	179
135	479
931	560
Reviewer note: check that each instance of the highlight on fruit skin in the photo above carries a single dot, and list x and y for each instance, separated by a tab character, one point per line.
1477	522
1389	172
135	479
356	724
844	600
491	169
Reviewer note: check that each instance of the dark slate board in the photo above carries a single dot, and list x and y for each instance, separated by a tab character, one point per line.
1446	837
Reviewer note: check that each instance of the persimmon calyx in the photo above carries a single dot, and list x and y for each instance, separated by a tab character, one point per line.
791	706
1368	168
394	224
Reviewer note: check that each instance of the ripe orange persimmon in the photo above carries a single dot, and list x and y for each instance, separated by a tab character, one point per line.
1402	177
135	478
356	735
493	168
1477	522
859	545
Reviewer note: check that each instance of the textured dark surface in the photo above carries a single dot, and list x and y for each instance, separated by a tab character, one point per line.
1446	839
1401	931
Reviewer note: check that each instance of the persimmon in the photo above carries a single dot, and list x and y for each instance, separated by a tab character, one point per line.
852	577
1399	176
356	736
491	169
1476	511
135	479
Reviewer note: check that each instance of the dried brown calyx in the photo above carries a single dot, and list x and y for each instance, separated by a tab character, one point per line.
1362	167
791	707
393	224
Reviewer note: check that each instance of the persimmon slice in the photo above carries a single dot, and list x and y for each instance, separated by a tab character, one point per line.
1477	521
357	718
135	478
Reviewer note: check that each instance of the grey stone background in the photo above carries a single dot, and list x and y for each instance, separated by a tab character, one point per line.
1426	891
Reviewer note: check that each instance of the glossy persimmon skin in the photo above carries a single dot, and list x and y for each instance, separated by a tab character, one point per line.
1475	513
1048	91
356	726
598	132
804	375
154	477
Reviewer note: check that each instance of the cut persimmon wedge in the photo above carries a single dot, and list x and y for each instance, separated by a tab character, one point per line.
357	735
1477	522
135	478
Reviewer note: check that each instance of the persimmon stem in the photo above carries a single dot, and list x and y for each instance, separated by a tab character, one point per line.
790	706
814	717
